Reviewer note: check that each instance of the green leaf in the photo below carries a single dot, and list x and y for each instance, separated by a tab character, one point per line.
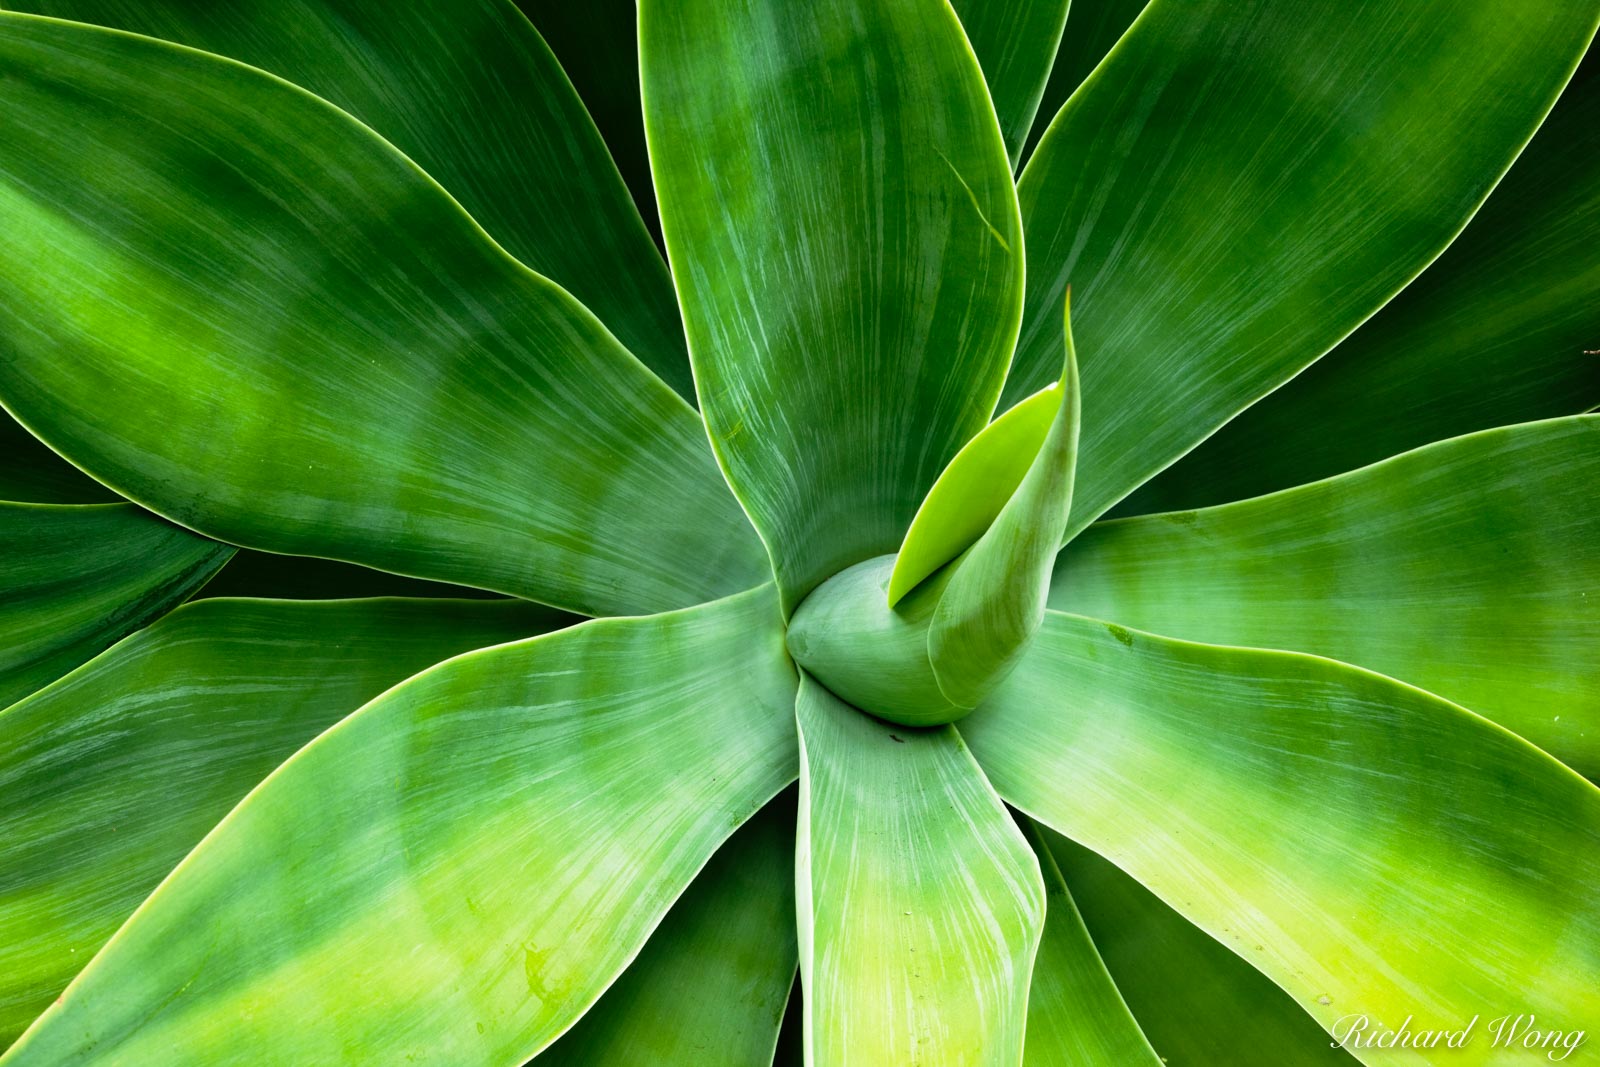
472	422
1015	42
713	981
994	600
200	706
1469	568
33	474
1380	851
1240	184
74	579
598	46
481	104
1197	1001
262	574
1495	332
972	490
841	220
920	902
1090	32
455	872
1076	1016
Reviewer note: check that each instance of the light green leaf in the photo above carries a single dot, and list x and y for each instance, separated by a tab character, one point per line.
481	105
1470	568
1196	1001
920	903
1076	1016
598	46
839	211
1382	852
972	490
74	579
1498	331
713	981
1091	30
200	706
31	473
1015	42
488	846
472	422
1242	182
995	597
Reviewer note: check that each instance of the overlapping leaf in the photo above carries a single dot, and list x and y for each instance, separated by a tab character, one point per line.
1015	42
839	211
1375	850
1470	568
231	302
111	775
459	869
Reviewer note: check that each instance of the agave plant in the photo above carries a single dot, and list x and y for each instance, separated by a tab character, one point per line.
328	302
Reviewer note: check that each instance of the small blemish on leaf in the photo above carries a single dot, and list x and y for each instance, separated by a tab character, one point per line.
897	737
1181	518
1120	633
1324	1000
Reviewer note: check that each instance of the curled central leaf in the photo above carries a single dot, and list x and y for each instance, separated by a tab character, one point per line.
928	653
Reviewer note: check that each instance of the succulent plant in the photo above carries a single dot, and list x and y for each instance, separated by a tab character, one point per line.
962	683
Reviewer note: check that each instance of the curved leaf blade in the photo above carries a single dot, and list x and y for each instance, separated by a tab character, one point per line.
32	474
518	819
848	257
1391	854
1500	330
713	981
479	101
201	705
1015	42
470	422
1239	185
920	903
75	579
1197	1001
1089	34
1468	568
1076	1016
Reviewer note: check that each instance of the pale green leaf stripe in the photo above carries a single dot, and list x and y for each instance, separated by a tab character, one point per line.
598	46
713	981
920	903
1500	330
74	579
1470	568
1198	1002
194	248
1076	1016
31	473
839	211
1380	851
112	774
1015	42
455	872
1091	30
1242	182
481	105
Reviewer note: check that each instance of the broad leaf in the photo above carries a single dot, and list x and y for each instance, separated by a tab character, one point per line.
194	249
1500	330
713	981
74	579
1382	853
1076	1016
920	903
455	872
1469	568
31	473
1091	31
1242	182
1015	42
839	211
111	775
481	105
1197	1001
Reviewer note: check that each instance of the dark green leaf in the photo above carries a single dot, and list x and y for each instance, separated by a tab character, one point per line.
31	473
1015	42
1092	28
